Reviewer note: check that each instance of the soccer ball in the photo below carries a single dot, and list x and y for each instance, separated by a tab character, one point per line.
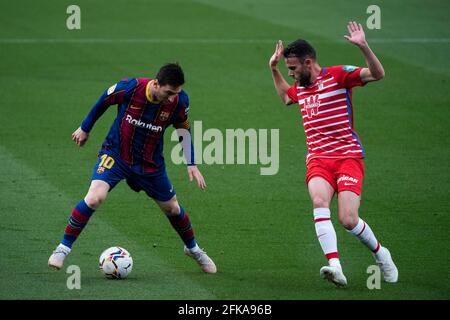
115	263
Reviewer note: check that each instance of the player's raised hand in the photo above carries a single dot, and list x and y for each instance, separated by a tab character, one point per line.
356	34
195	173
80	137
276	55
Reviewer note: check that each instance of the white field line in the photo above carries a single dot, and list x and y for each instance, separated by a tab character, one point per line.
196	40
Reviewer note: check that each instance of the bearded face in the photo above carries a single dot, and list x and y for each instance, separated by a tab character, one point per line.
304	78
301	72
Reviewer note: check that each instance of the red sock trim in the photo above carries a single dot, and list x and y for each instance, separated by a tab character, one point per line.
182	226
79	217
332	255
378	248
321	219
364	228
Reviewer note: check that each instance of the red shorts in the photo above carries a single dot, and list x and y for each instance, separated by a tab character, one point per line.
341	174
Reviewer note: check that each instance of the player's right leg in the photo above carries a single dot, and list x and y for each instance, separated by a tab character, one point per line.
321	192
106	174
79	218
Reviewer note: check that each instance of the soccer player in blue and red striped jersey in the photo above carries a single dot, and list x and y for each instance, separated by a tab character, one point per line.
133	151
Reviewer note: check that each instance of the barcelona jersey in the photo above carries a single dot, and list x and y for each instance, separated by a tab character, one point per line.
136	136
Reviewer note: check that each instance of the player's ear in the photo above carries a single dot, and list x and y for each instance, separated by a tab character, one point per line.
308	63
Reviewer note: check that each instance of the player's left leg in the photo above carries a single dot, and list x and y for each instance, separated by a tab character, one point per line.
160	189
348	204
180	221
350	173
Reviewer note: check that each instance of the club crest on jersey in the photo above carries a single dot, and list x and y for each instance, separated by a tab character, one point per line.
311	105
164	116
320	84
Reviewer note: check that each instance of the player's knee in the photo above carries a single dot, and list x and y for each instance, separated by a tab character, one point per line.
170	207
348	220
94	200
171	210
319	202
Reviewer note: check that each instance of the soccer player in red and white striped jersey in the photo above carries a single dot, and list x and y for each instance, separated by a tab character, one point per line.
335	152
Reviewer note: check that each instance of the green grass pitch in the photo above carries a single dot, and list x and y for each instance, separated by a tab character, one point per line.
258	229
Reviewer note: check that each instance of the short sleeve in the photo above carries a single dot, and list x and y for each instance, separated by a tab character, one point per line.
347	76
292	93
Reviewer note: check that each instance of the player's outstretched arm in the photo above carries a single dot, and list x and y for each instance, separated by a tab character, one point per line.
195	173
374	70
280	83
80	137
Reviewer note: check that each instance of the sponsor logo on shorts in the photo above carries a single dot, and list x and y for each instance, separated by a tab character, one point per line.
348	181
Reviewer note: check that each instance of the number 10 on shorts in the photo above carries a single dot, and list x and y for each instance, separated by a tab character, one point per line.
106	162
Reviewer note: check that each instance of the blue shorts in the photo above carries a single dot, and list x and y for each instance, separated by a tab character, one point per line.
112	170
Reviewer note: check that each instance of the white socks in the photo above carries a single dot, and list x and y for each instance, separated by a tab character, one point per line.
326	234
363	232
63	248
195	249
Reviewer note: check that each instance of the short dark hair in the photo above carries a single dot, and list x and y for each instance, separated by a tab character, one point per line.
301	49
171	74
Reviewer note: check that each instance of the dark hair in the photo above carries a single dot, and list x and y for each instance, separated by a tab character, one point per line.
300	49
171	74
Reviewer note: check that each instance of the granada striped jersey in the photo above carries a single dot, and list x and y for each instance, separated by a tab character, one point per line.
327	112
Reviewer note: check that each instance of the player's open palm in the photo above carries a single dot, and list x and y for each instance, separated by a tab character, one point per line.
276	55
80	137
195	173
355	34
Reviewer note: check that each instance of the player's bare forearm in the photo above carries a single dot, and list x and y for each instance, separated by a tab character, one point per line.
281	85
376	70
356	36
